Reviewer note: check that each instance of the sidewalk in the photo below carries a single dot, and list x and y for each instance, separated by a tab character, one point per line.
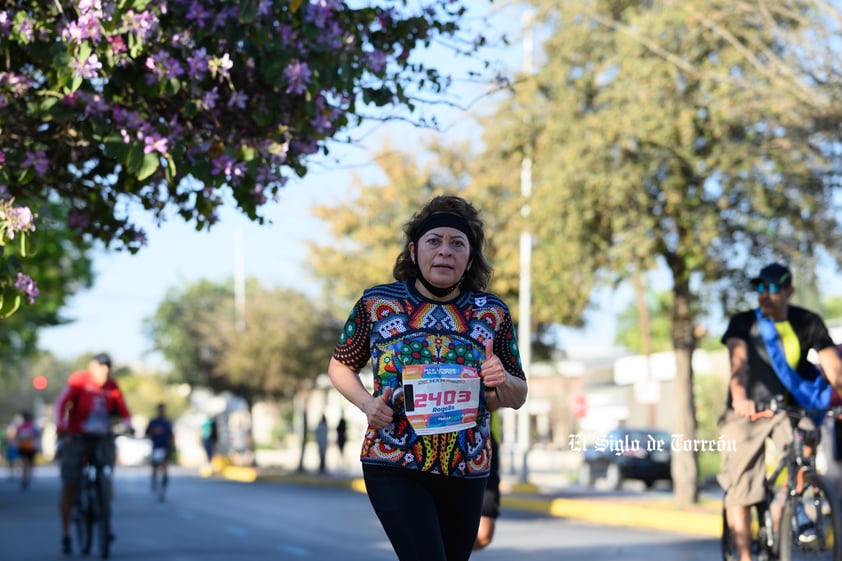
545	493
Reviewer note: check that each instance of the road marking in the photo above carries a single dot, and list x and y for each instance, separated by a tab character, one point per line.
293	550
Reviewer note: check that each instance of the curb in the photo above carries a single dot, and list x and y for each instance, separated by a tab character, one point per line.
701	520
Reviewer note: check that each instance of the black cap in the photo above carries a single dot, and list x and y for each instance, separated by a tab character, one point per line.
102	358
776	273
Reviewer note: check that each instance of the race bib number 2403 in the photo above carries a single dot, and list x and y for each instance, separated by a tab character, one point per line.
441	397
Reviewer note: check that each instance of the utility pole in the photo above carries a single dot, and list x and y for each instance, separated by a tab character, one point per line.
525	286
239	282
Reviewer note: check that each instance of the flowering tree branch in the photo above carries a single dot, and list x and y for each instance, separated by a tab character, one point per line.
15	224
161	105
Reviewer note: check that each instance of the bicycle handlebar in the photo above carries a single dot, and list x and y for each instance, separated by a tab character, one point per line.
777	405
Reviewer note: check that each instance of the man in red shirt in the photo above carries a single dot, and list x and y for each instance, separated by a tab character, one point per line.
85	408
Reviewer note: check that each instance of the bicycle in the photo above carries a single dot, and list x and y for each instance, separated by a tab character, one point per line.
797	497
92	505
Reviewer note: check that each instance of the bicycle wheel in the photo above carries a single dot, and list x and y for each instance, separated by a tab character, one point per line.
104	515
80	519
811	523
87	516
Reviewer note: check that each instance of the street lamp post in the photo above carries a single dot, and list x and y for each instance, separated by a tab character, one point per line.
525	286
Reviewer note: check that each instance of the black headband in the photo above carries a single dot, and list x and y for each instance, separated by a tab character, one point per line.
444	220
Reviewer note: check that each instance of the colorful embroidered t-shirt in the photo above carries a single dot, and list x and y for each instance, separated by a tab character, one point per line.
393	325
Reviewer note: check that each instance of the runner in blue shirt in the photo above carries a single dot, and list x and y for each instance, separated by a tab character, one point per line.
160	432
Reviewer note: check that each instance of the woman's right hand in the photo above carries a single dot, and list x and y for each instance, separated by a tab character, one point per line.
379	411
744	407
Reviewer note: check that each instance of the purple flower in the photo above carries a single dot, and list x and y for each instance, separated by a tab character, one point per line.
198	13
86	6
321	123
25	28
90	26
88	68
239	99
20	219
298	75
77	220
143	23
26	285
376	61
198	62
228	166
36	160
210	98
258	195
154	142
73	33
118	45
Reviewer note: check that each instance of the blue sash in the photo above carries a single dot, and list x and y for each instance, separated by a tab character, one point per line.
810	394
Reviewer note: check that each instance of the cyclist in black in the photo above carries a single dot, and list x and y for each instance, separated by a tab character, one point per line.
768	349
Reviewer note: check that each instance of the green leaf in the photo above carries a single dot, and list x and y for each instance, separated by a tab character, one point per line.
10	304
24	245
26	176
248	11
84	51
150	166
170	169
135	45
134	159
48	104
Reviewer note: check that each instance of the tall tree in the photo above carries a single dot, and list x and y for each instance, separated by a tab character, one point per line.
283	339
286	340
660	142
179	327
178	107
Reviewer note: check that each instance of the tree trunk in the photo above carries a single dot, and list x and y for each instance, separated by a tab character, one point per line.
640	286
685	469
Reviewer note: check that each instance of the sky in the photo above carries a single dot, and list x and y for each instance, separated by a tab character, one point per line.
128	288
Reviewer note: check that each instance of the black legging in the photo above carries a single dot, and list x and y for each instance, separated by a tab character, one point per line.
427	516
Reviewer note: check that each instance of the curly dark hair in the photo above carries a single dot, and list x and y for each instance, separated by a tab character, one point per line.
478	275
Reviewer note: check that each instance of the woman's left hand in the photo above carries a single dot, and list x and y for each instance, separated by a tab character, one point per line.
492	372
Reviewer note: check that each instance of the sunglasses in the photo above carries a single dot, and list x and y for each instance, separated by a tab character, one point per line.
772	287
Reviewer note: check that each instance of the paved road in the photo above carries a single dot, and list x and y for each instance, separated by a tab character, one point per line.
216	520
